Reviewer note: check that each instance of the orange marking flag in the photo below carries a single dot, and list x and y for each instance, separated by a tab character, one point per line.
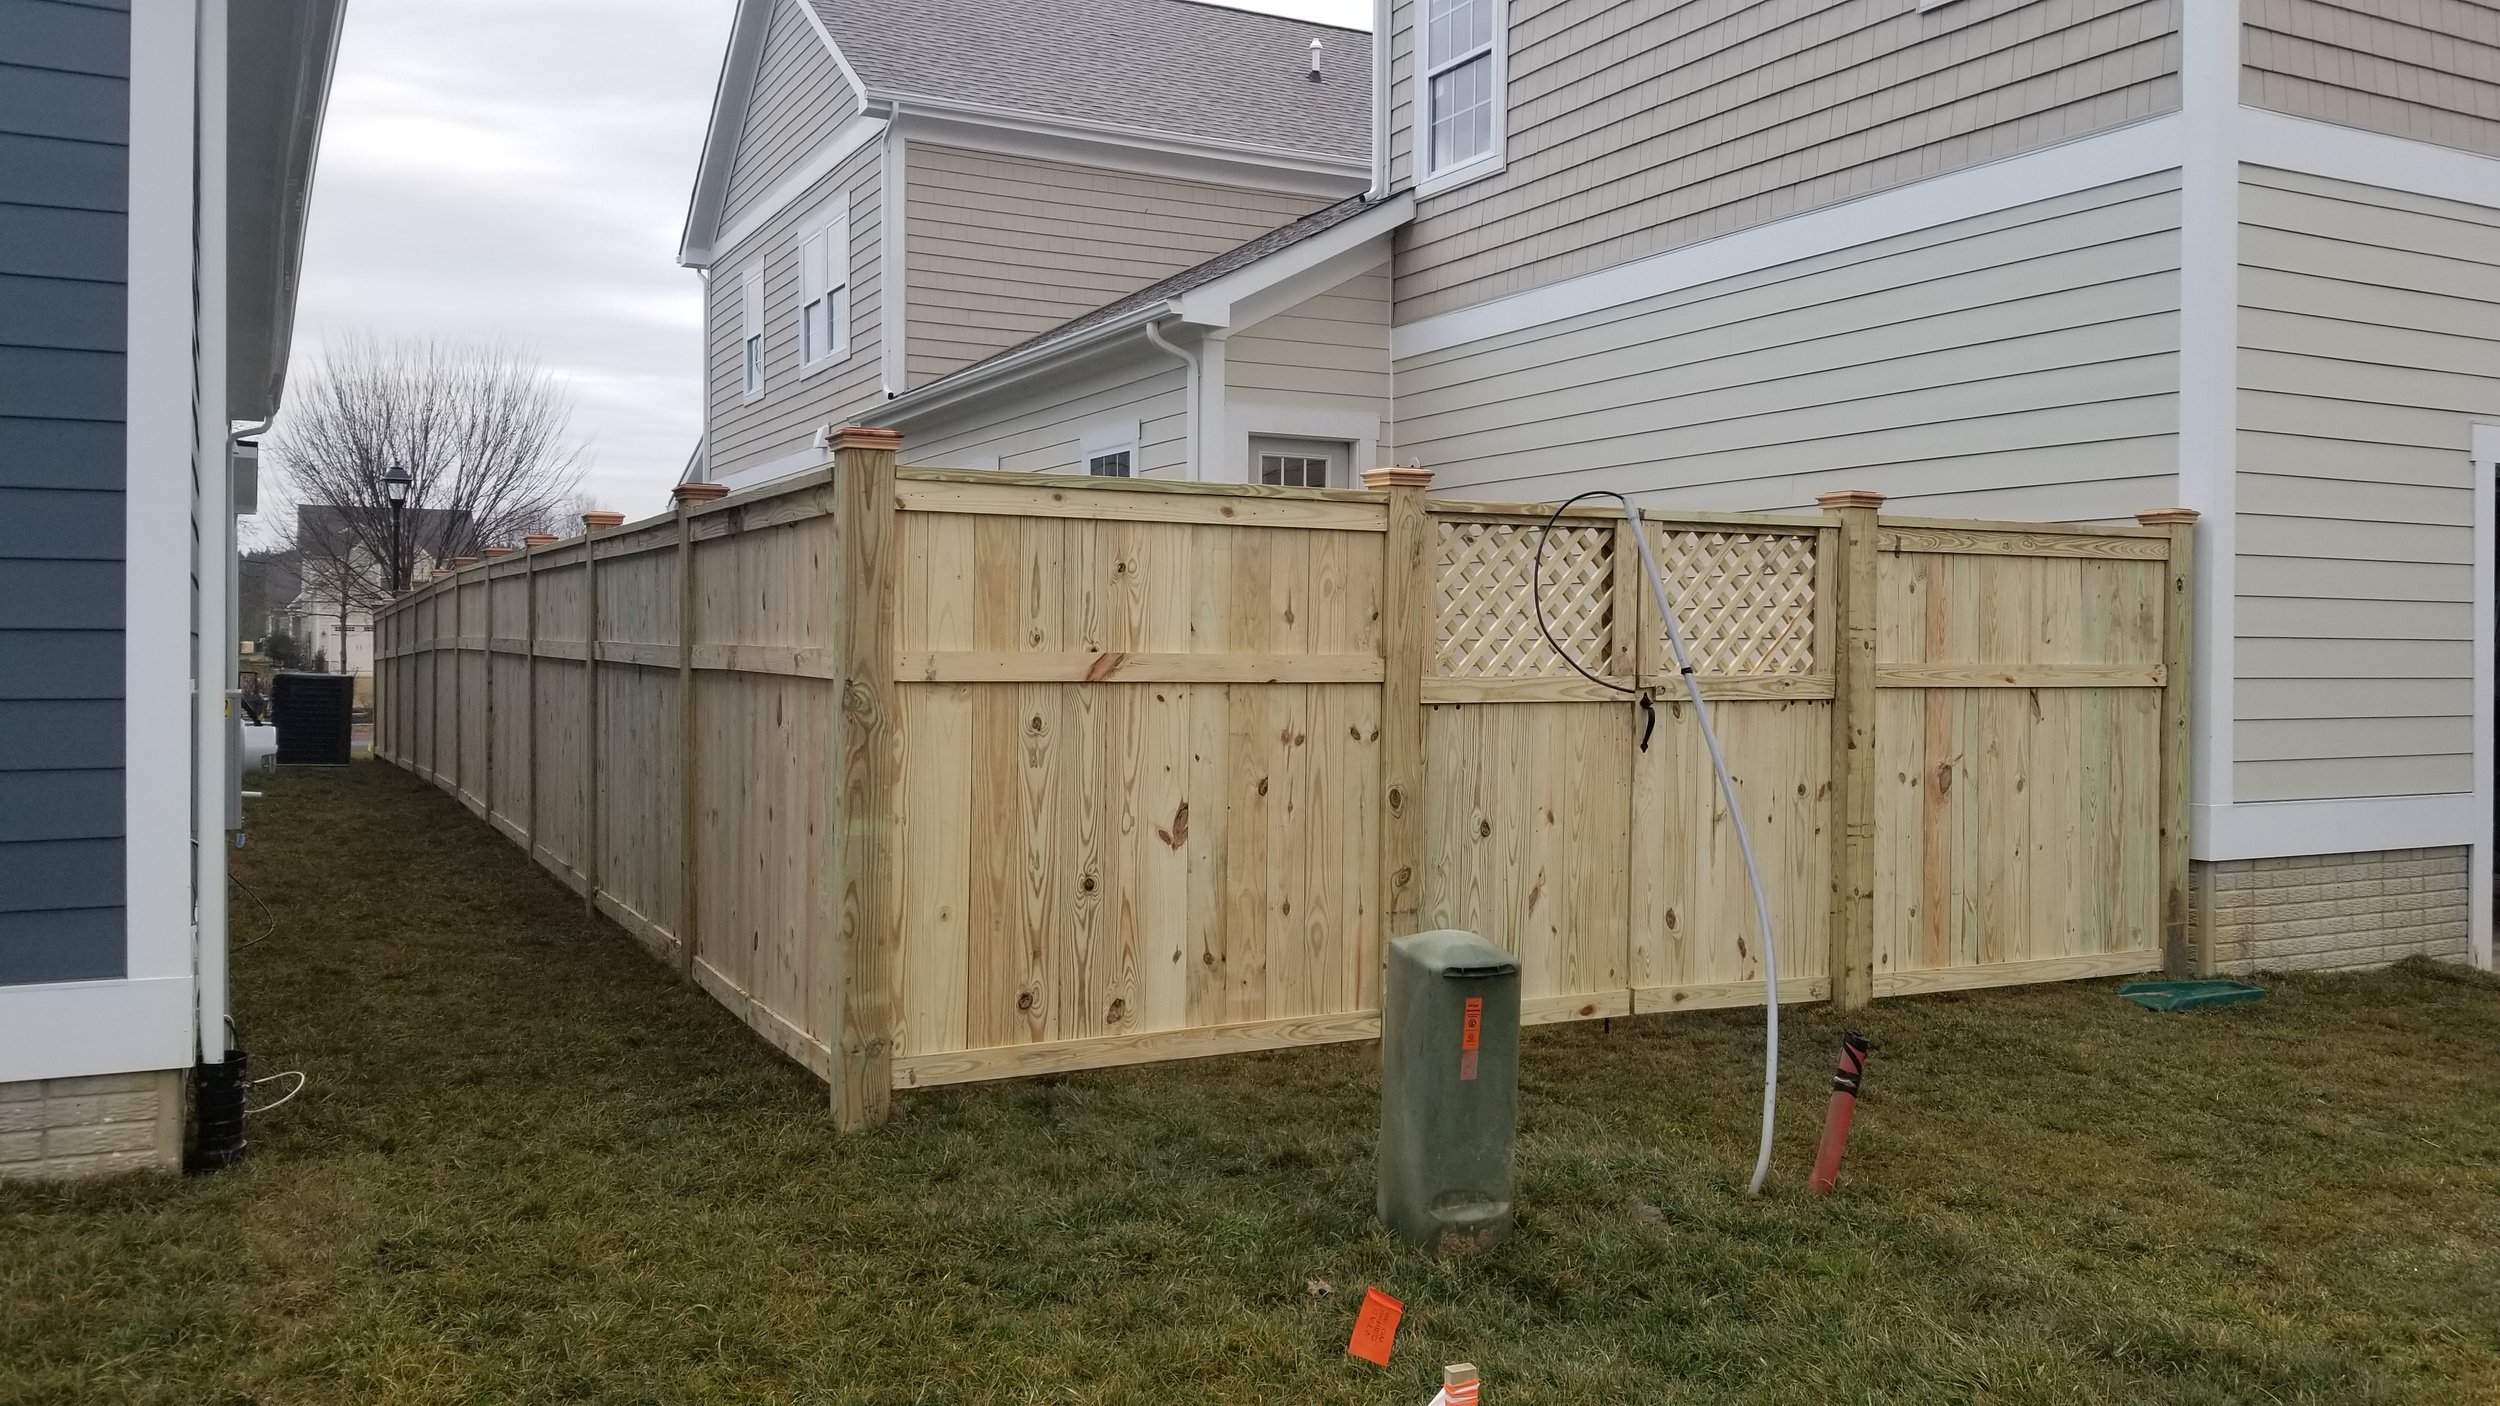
1376	1327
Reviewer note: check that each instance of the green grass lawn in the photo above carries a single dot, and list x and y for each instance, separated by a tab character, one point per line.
530	1167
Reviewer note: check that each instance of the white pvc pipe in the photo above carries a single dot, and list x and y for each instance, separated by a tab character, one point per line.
1744	846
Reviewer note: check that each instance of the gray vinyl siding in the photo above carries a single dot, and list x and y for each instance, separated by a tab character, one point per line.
1327	352
2424	69
1043	430
2370	346
800	99
1639	128
1003	248
794	403
2022	364
64	187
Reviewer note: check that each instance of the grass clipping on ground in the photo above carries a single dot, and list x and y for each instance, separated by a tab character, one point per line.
530	1166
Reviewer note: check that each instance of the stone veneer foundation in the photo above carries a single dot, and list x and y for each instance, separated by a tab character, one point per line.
2330	911
91	1126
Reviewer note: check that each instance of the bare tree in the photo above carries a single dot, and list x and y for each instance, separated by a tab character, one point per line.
481	429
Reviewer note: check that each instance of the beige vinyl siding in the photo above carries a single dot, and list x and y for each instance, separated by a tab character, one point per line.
2022	364
2370	345
782	420
1639	128
1329	352
2424	69
800	100
1043	430
1003	248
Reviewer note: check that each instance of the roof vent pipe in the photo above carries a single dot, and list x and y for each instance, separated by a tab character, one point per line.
1315	48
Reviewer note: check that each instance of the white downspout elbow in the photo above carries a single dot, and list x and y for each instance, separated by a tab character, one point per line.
1190	402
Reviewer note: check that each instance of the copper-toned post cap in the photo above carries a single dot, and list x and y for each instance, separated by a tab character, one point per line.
700	492
540	539
592	522
499	551
1849	498
458	562
864	437
1397	476
2166	517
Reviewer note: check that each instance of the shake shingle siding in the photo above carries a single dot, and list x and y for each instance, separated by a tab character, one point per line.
2424	69
64	147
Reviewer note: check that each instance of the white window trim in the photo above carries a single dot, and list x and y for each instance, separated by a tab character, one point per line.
834	223
1419	137
751	334
1118	438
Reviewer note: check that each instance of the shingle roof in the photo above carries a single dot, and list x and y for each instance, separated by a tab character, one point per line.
1240	256
1168	65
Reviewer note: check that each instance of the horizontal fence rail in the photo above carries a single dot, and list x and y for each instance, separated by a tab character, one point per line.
938	776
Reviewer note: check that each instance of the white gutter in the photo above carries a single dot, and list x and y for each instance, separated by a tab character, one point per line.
1380	99
1189	397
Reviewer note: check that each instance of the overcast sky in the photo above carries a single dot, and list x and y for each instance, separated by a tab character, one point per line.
518	170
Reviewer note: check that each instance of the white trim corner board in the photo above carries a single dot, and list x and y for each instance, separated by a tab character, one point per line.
2485	455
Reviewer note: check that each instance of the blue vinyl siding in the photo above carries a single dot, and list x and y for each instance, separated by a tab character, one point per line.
64	239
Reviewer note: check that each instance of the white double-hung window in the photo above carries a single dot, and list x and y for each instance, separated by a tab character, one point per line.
751	333
1462	87
825	290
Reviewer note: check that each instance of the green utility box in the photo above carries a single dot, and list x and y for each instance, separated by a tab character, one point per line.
1449	1090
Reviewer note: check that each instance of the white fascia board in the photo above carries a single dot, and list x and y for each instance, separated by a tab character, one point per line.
2367	158
72	1029
720	135
1057	358
1143	151
1298	270
2139	149
842	61
2285	829
824	161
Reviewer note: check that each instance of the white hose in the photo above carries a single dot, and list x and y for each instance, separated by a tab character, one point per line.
1744	846
1735	811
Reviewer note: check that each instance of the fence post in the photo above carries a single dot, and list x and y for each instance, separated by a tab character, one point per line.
592	525
529	681
1853	750
870	930
688	749
1410	609
2185	951
493	555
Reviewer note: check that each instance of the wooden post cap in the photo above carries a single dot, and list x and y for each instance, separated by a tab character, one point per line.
2167	517
459	562
699	492
540	539
1397	476
592	522
499	551
1849	498
864	437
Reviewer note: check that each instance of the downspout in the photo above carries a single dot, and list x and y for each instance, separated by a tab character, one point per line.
1189	400
1380	101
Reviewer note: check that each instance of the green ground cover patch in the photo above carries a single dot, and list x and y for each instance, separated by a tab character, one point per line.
531	1167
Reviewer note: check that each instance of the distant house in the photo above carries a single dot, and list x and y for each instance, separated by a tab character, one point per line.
342	576
155	162
1995	258
894	189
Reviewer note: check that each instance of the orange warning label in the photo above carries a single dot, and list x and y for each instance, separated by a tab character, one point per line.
1472	1033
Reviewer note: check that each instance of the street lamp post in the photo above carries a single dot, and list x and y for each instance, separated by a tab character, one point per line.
395	485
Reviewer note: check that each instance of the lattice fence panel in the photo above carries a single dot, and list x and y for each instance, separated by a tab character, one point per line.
1745	599
1488	617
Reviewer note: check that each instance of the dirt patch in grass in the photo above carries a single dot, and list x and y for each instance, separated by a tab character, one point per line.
530	1166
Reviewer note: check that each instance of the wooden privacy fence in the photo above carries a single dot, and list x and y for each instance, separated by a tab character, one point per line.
939	776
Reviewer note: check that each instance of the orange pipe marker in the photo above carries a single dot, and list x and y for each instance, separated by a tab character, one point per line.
1844	1106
